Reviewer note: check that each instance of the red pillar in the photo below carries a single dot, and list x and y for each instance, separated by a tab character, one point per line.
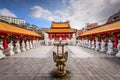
115	41
5	42
102	37
31	39
49	36
71	36
18	39
65	36
26	39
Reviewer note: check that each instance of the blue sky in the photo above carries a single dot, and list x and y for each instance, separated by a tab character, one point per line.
42	12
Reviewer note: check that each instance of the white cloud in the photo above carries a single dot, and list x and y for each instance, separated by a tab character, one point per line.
79	12
6	12
39	12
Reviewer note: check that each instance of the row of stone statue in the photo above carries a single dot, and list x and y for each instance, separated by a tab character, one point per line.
17	48
101	46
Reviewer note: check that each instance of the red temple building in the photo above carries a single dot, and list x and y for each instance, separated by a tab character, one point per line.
14	39
60	30
108	33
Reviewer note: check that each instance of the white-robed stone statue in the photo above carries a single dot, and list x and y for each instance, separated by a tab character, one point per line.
84	43
31	45
93	45
80	42
23	46
38	43
118	47
97	47
17	47
27	45
89	44
10	48
1	50
102	46
109	47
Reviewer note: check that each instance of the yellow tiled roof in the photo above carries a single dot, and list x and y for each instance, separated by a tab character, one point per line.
4	27
109	27
60	31
60	25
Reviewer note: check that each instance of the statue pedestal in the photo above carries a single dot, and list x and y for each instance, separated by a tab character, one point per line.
118	54
1	54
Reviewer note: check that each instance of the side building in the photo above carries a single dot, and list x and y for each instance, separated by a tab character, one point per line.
13	20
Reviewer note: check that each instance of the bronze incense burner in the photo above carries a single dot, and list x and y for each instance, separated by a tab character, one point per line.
60	59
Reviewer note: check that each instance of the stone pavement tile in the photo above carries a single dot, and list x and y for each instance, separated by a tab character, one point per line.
43	75
19	78
98	67
117	78
3	77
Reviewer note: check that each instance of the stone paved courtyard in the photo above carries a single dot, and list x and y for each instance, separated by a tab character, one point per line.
82	64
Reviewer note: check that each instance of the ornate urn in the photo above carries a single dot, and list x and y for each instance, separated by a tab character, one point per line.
60	59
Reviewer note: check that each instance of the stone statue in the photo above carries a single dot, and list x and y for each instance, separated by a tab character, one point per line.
23	46
17	47
89	44
1	50
80	42
102	46
39	42
27	45
86	44
118	47
110	47
83	43
10	48
93	45
97	45
31	45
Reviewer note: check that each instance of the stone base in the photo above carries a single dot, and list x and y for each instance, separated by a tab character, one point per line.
96	49
23	49
9	53
2	55
110	52
17	51
27	48
31	47
118	54
102	50
93	48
